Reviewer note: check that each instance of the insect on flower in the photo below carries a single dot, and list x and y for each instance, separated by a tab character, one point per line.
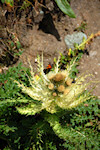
48	68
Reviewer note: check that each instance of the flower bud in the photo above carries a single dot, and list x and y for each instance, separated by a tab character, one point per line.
61	88
51	86
59	77
69	81
54	94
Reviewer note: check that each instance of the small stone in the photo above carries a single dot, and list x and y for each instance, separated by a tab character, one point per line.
96	73
35	60
41	12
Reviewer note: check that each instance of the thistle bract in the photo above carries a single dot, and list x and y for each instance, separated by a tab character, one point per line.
53	90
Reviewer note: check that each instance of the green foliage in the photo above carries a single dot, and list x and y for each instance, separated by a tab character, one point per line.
25	5
6	148
8	2
9	89
84	122
65	8
5	129
12	48
62	4
82	27
77	128
2	1
9	93
65	59
71	129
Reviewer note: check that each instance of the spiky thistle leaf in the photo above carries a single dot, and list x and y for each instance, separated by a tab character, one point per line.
53	90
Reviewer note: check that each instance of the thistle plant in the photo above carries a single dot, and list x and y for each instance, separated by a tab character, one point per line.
53	91
51	96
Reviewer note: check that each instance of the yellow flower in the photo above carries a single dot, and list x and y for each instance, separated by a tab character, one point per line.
37	77
69	52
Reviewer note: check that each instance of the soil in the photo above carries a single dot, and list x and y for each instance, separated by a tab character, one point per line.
48	32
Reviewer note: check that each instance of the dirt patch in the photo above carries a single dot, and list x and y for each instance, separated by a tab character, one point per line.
50	40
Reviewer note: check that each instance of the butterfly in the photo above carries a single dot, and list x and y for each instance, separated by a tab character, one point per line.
48	68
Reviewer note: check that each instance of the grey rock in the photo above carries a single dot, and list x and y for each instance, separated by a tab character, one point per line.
76	37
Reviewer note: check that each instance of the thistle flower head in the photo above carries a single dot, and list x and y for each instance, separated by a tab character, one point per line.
53	90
